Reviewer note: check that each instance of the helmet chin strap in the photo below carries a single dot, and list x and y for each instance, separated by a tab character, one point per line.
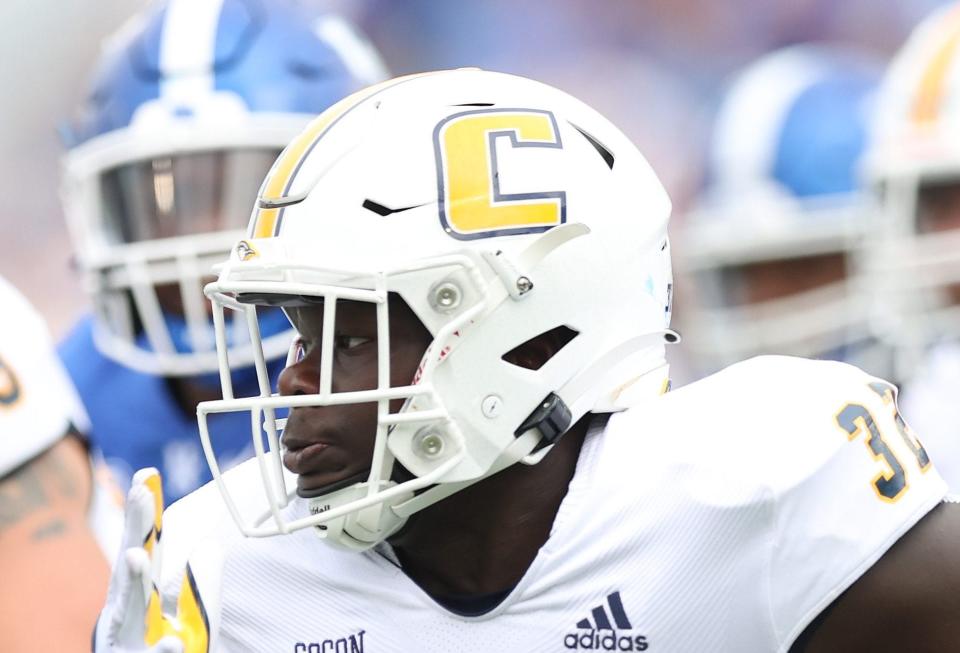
349	531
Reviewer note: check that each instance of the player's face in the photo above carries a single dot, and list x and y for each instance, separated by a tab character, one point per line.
328	444
194	194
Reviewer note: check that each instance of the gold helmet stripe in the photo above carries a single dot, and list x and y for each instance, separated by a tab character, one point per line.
281	176
929	99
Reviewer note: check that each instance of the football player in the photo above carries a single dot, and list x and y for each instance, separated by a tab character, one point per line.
768	264
913	167
60	517
190	104
480	455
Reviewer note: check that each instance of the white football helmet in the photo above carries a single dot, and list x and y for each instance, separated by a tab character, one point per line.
498	209
38	404
915	146
190	105
770	253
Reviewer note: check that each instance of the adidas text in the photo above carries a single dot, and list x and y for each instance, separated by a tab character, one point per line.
606	640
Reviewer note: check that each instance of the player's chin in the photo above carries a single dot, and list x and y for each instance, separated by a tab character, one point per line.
315	481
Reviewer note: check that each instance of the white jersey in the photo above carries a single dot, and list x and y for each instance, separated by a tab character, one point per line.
723	516
38	405
930	405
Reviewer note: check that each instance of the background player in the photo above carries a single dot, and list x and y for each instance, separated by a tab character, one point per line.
189	106
913	168
769	263
477	408
59	519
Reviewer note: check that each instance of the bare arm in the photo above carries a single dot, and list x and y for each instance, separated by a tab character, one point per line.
908	601
54	574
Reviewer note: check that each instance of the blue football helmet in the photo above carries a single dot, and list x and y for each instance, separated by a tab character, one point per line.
190	104
770	255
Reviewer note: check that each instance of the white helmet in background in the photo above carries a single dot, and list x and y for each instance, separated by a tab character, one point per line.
498	209
913	168
769	252
38	404
190	104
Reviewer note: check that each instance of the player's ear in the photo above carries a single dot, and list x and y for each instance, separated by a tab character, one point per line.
535	352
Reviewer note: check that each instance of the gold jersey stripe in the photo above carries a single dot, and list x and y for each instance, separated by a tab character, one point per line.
155	486
190	626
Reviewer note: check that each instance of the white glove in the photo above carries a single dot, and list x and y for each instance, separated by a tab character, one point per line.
131	620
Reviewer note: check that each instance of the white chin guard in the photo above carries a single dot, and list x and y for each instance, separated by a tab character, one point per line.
363	529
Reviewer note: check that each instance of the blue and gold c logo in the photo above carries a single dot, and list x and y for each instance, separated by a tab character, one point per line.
468	176
9	385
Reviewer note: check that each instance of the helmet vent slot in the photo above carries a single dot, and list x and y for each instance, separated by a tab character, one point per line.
601	149
380	209
535	352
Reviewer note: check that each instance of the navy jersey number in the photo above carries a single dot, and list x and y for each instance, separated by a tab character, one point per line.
856	420
891	482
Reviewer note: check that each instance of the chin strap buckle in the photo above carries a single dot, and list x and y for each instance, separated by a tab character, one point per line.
551	417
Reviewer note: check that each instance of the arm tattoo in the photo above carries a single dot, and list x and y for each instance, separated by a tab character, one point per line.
32	487
51	529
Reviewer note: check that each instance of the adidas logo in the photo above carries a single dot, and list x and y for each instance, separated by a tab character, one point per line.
603	635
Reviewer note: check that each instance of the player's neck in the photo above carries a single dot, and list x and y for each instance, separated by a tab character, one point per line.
483	539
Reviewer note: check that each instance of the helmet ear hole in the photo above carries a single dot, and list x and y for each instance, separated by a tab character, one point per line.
535	352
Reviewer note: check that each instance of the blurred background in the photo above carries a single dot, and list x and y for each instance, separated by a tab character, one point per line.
657	68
